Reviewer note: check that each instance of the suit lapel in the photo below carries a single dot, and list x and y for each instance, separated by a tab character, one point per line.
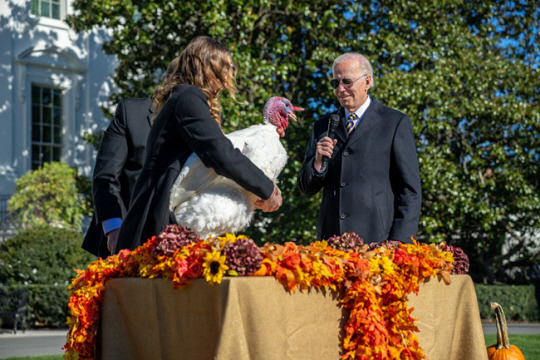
369	119
150	112
341	131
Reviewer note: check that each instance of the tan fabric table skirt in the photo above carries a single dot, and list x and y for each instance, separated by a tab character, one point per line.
255	318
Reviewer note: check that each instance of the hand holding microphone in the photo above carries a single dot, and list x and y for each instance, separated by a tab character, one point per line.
325	147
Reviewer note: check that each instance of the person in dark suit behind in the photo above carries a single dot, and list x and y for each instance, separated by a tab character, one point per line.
118	164
372	182
188	120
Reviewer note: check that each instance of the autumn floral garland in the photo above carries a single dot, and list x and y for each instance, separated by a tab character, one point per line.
374	282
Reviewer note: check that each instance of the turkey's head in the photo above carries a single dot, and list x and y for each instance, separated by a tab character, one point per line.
277	111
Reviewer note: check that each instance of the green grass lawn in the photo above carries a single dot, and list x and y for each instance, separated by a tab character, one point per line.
44	357
528	344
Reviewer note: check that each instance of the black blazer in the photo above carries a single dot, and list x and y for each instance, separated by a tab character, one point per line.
372	184
183	126
118	164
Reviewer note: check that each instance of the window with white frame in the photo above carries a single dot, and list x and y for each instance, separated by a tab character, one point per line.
46	125
47	8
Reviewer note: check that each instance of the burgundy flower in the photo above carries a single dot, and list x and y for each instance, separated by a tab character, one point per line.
346	242
391	244
461	260
243	256
174	237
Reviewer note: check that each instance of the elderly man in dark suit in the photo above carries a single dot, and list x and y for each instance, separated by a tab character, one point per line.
118	164
372	182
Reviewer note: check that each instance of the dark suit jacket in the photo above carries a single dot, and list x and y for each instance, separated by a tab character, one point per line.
183	126
372	184
118	164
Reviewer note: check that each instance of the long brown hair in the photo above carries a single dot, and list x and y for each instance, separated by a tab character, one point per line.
205	63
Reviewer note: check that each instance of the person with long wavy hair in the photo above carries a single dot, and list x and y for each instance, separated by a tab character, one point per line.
188	119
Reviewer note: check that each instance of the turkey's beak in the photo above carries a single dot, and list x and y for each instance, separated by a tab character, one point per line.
292	115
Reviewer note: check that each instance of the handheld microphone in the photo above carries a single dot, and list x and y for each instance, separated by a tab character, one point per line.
332	126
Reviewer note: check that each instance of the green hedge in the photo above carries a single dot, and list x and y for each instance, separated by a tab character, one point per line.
42	260
517	301
47	305
42	255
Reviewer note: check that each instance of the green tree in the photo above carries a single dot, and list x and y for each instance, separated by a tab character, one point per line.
465	72
49	195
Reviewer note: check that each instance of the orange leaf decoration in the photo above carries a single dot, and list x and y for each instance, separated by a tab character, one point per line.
372	284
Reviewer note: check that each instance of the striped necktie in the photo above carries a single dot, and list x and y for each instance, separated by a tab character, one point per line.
350	123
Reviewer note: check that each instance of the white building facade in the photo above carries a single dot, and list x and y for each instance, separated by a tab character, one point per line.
53	83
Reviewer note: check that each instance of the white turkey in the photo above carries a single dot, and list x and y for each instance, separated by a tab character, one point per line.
213	205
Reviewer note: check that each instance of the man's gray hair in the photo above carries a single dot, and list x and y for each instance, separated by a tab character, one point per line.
365	65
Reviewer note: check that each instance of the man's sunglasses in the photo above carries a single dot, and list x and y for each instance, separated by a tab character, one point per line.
346	82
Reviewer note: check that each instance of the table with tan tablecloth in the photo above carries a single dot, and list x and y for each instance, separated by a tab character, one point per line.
254	318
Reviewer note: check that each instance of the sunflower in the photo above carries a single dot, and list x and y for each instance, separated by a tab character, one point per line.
214	267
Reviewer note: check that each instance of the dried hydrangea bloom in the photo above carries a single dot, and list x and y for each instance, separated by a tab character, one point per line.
461	260
347	242
174	237
390	244
243	256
